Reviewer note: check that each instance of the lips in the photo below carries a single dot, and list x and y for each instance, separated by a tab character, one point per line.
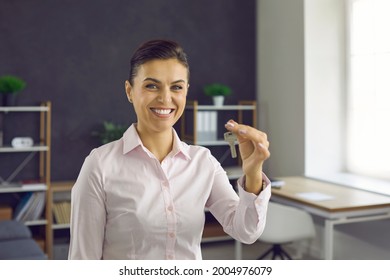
162	112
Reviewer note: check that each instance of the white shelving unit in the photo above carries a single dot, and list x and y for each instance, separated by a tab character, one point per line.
8	186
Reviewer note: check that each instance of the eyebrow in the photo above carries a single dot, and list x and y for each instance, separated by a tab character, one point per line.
159	82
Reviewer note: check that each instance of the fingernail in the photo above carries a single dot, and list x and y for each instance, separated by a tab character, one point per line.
261	145
242	131
229	124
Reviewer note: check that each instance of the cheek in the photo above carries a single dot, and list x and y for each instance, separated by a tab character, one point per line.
143	98
181	97
181	101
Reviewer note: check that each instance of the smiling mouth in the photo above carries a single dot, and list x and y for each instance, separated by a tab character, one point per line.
163	112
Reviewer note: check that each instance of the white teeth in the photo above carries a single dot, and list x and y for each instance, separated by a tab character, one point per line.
162	111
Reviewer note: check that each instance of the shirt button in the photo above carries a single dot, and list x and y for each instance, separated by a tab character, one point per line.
170	208
165	184
170	257
171	235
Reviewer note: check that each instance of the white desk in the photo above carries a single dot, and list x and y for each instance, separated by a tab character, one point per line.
347	205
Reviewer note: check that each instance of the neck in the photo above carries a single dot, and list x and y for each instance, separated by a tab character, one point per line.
158	143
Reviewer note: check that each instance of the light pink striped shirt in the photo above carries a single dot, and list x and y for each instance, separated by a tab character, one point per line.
128	205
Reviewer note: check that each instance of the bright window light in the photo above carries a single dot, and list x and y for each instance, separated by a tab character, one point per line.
368	99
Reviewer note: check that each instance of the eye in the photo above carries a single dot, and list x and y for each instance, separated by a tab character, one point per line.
176	87
151	86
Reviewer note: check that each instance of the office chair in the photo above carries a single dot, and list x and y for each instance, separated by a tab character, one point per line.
285	224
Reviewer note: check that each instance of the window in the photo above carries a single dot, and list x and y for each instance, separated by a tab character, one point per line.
368	98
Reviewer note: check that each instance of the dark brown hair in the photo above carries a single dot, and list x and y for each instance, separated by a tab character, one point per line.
157	49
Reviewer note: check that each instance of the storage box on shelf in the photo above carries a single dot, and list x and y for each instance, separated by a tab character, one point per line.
33	199
199	126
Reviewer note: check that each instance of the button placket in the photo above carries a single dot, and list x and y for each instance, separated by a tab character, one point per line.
169	209
171	219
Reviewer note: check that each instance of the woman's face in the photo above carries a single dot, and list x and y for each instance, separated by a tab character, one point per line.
158	94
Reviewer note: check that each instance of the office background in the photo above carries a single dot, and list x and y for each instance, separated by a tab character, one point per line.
76	54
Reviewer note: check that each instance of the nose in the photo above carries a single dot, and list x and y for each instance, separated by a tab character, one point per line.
165	96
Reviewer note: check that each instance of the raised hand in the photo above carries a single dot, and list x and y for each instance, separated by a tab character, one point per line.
253	146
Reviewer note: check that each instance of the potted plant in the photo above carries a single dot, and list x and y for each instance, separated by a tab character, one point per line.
217	92
110	132
10	87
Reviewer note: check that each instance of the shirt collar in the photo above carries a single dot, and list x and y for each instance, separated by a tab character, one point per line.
131	141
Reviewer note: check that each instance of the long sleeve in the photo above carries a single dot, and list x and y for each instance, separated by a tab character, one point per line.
88	214
242	217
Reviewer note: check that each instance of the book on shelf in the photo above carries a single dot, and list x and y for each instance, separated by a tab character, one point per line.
207	125
30	206
23	205
61	212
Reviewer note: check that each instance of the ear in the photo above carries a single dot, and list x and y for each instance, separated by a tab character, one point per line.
128	89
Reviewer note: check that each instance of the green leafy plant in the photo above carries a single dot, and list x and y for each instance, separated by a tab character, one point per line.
11	84
217	90
110	132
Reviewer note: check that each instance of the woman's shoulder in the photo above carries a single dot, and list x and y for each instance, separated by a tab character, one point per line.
195	149
201	153
111	148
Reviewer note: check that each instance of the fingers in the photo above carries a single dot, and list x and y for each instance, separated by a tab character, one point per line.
245	132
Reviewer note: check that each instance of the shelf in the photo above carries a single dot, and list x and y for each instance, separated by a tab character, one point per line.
200	125
60	226
222	108
37	148
13	188
42	149
36	223
24	109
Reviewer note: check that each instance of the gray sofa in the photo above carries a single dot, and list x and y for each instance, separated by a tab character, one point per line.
16	242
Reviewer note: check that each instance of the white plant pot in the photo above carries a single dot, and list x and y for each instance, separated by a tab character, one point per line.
218	100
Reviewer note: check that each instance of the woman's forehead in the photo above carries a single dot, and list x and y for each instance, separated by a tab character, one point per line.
161	69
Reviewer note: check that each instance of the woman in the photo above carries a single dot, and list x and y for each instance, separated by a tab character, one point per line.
143	196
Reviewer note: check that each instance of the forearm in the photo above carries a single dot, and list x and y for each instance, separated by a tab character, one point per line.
254	184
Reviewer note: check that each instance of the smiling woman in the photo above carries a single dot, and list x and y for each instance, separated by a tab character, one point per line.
158	94
143	196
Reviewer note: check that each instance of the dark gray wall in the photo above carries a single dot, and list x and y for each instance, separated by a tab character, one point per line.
76	54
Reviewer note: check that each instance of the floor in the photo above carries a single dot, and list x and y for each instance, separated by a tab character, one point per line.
225	251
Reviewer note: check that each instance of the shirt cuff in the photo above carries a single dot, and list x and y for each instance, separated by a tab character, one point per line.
248	198
265	184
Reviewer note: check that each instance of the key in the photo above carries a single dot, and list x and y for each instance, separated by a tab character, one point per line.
231	138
